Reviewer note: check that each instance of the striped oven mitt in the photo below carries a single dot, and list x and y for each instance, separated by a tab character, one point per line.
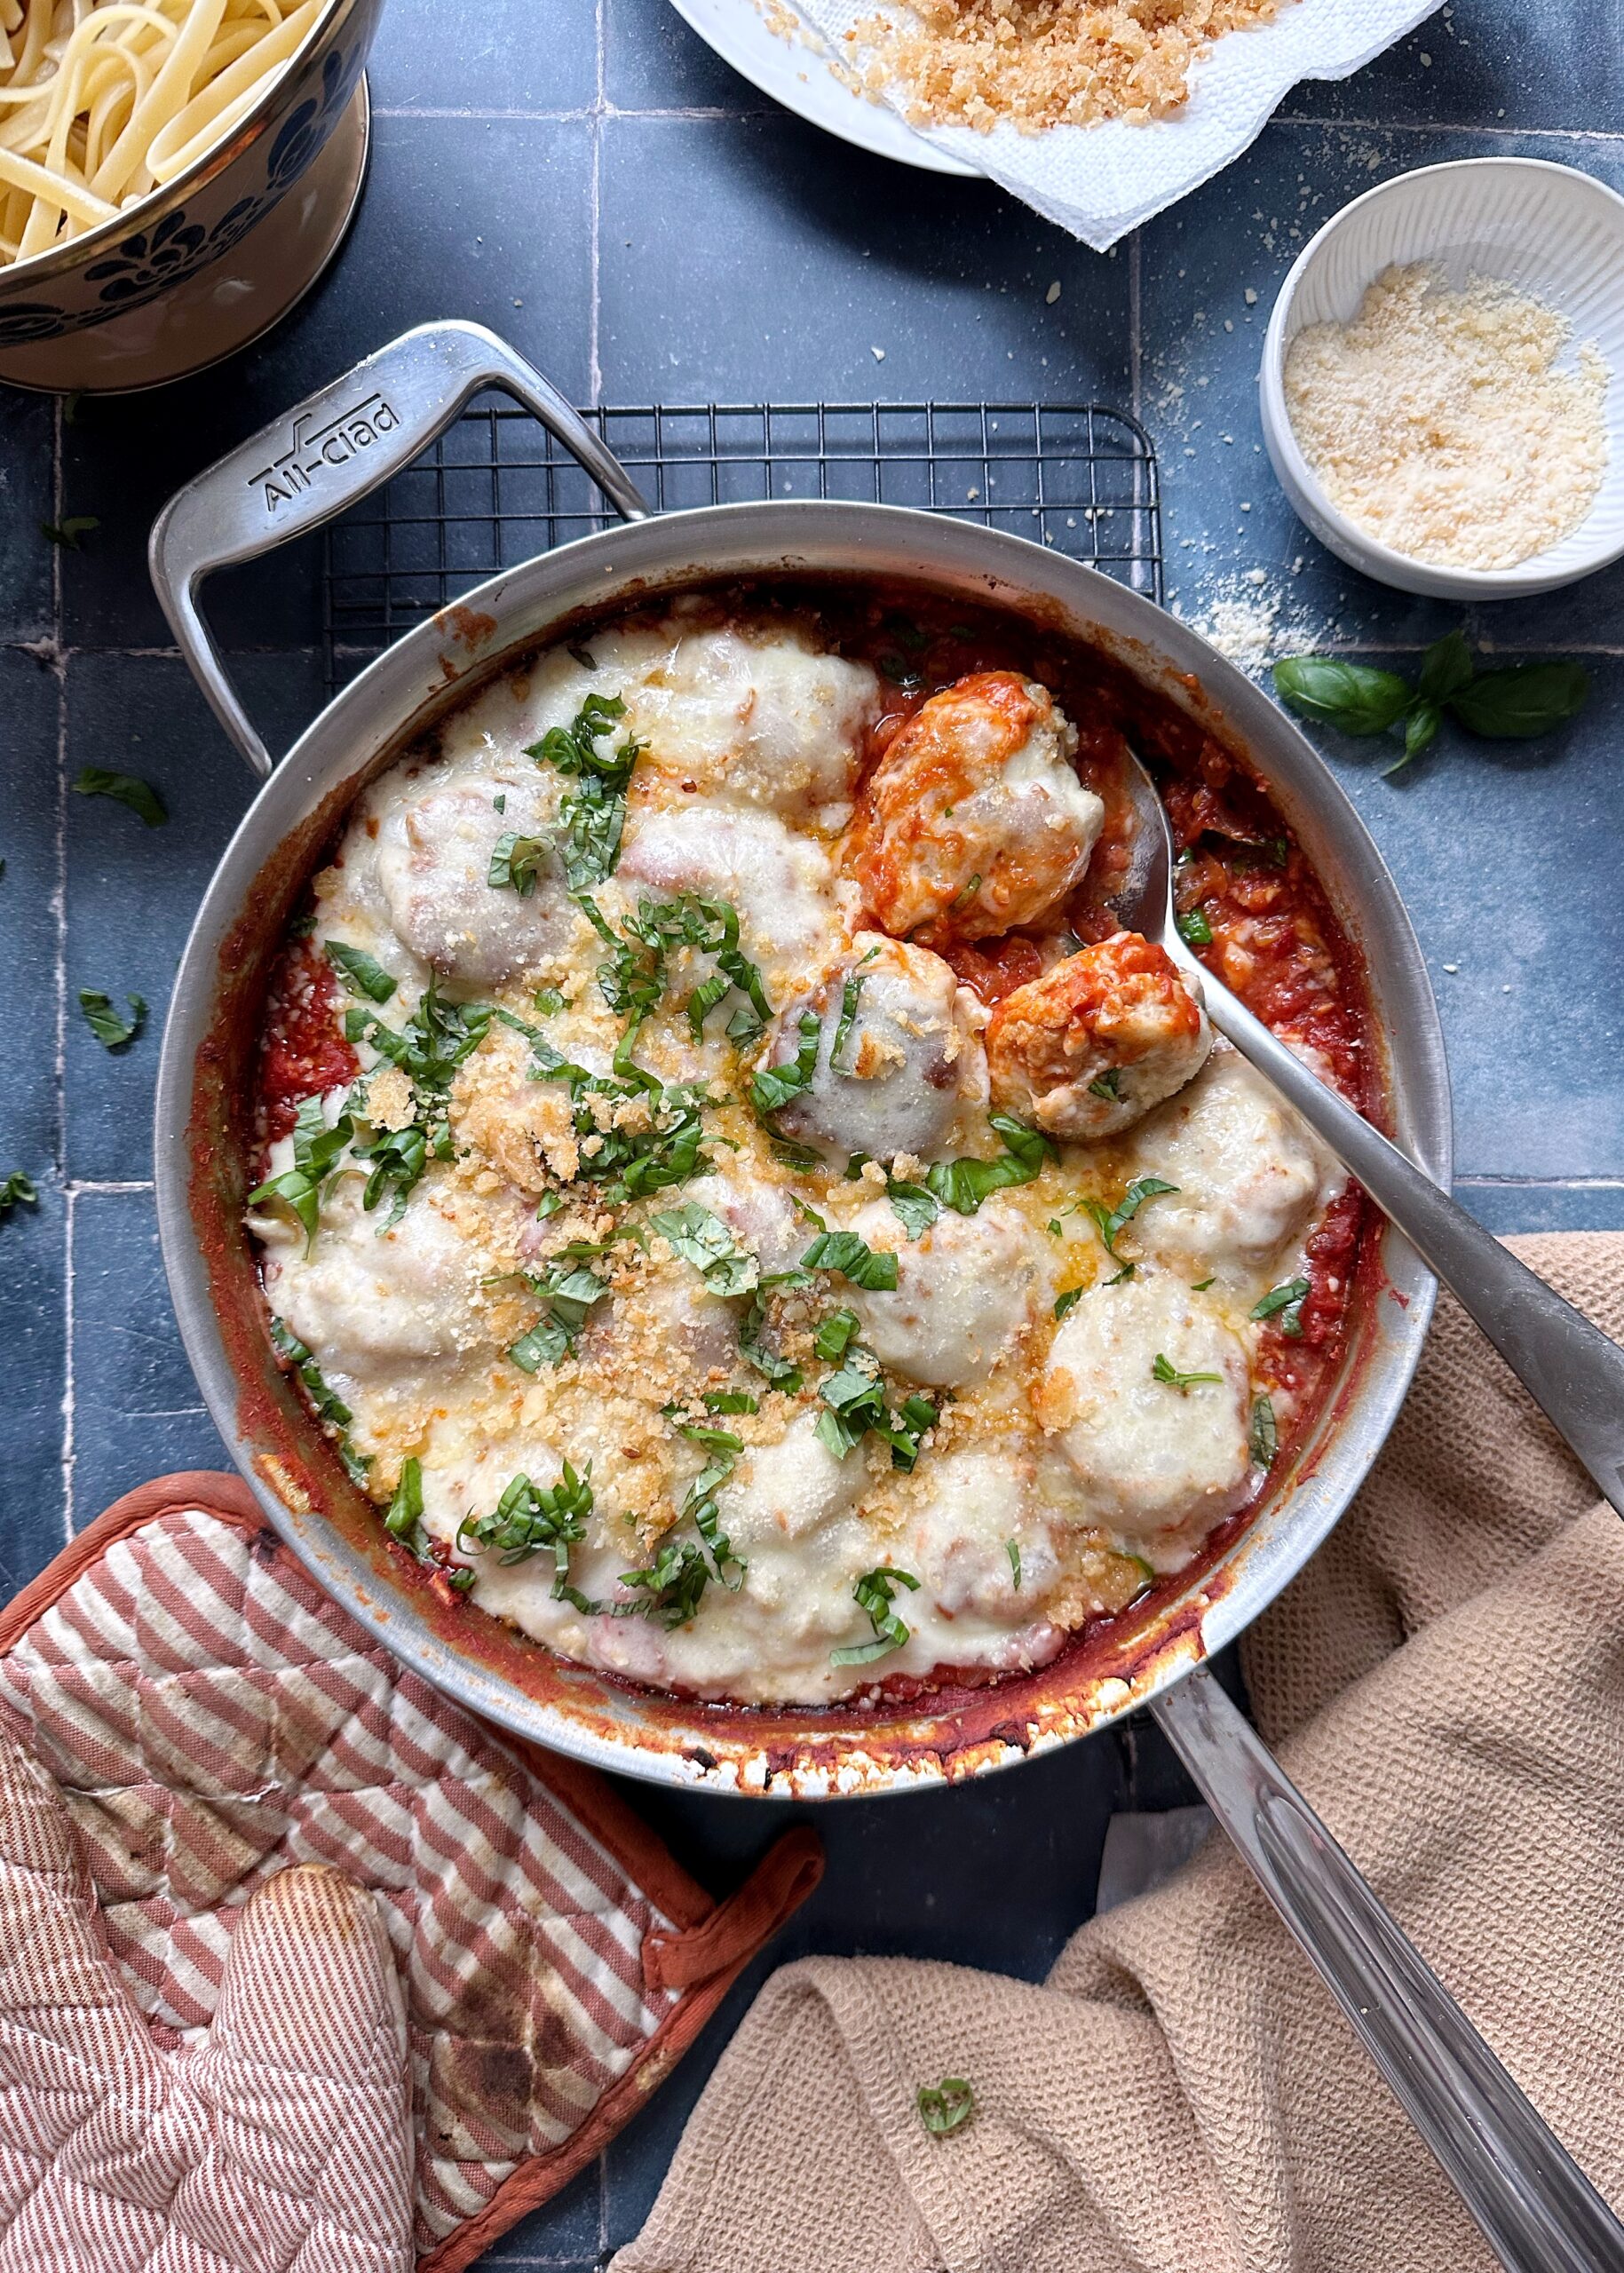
279	2145
303	1969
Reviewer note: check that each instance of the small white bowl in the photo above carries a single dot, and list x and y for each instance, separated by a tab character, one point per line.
1552	233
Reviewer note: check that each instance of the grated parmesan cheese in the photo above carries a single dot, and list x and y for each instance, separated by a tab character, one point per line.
1438	422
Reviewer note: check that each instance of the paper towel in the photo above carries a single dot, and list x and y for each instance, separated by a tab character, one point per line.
1100	181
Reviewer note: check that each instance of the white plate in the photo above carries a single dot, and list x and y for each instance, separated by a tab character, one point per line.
799	77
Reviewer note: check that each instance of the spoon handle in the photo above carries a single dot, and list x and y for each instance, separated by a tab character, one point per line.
1538	2211
1572	1371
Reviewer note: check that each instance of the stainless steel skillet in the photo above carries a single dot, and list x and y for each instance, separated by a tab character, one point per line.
333	449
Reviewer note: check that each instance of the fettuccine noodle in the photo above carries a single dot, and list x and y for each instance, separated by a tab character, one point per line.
104	101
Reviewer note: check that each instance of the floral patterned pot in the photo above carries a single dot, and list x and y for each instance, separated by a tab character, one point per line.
206	211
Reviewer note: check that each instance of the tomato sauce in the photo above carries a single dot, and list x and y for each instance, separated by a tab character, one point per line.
304	1053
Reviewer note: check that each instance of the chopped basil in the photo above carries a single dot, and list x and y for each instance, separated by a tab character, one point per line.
1264	1441
704	1000
403	1518
671	1586
1285	1303
774	1086
1011	1548
855	1402
328	1407
1163	1370
1108	1085
362	973
583	656
833	1334
946	2106
1199	1286
850	1256
704	1240
873	1592
1112	1222
549	1204
731	1400
396	1158
796	1156
1194	928
592	814
1068	1301
111	1031
567	1291
68	533
963	898
548	1001
126	789
516	861
17	1189
963	1185
777	1372
316	1149
914	1206
527	1521
850	994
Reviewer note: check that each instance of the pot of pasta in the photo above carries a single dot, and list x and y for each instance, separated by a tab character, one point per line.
145	157
696	1221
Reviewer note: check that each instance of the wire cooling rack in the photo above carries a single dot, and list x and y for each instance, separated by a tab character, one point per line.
496	488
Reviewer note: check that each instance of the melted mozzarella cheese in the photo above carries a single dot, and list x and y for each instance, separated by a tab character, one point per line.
1149	1454
1249	1174
781	883
964	1291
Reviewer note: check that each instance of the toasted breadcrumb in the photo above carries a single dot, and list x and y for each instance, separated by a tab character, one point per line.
1042	63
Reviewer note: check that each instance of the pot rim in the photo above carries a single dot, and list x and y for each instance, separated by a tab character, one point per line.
60	259
437	665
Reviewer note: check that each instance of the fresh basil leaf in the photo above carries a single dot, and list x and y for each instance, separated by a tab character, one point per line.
403	1518
1524	700
126	789
963	1185
1264	1440
1352	697
361	972
704	1240
1444	668
915	1207
947	2106
112	1031
516	862
1194	928
17	1189
850	1255
1419	733
1112	1222
874	1593
1285	1303
833	1334
68	533
774	1086
1068	1301
1163	1370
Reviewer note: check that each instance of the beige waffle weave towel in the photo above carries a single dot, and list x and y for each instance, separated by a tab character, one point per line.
1446	1684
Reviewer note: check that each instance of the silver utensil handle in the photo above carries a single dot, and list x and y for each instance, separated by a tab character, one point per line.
337	447
1538	2211
1570	1369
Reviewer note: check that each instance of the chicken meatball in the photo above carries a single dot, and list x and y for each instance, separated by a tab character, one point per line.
973	820
780	882
1248	1173
963	1291
1097	1041
1147	1393
898	1053
434	854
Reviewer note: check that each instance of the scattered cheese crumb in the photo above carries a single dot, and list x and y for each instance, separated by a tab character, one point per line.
878	354
1437	421
1053	293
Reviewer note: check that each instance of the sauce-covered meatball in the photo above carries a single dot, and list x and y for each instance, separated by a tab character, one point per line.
898	1053
434	854
974	821
1097	1041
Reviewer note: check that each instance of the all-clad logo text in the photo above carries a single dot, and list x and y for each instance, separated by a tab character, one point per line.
335	444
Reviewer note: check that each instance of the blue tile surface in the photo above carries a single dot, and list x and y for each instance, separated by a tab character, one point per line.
587	177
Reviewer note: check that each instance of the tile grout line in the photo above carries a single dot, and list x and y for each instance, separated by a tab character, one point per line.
1135	373
594	360
59	908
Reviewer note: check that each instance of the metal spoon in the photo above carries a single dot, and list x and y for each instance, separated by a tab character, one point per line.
1536	2208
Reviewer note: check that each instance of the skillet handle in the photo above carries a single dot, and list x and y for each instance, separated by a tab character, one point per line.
337	447
1536	2208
